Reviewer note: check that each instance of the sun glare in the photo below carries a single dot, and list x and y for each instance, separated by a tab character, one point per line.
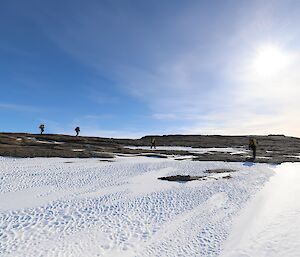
269	61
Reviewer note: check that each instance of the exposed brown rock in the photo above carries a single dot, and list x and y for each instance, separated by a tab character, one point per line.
186	178
271	149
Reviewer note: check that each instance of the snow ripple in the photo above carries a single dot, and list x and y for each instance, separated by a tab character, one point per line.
74	207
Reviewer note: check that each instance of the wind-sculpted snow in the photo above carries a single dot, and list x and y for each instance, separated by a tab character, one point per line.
75	207
269	225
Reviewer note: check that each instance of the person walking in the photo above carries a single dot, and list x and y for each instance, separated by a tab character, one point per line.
252	146
77	130
153	144
42	128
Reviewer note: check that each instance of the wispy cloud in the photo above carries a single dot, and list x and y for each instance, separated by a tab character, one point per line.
98	117
98	132
19	107
113	133
190	63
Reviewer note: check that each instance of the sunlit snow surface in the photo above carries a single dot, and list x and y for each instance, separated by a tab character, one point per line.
195	150
270	225
84	207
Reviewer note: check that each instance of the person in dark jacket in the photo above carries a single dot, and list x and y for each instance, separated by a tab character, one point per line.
153	143
42	128
77	130
252	146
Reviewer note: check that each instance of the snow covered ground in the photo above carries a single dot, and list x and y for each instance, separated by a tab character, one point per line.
195	150
270	226
84	207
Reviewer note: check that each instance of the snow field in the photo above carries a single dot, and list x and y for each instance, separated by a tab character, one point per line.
194	150
269	226
84	207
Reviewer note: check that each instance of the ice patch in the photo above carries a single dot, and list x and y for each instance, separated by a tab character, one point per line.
294	156
193	150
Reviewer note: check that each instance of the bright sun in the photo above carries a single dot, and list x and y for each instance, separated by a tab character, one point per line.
269	61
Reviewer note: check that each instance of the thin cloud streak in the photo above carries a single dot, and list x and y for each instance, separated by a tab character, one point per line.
19	107
194	72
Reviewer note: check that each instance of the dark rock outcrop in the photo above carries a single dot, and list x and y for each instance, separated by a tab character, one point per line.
271	149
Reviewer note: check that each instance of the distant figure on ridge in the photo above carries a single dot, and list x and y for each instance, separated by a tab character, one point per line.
153	143
77	130
42	128
252	146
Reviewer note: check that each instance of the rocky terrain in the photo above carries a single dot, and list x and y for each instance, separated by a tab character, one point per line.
271	149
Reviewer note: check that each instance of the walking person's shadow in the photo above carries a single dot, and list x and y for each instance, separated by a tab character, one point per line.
249	162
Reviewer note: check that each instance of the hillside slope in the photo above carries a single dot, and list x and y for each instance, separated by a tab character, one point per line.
271	149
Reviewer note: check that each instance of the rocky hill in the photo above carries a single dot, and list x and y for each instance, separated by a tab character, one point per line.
271	149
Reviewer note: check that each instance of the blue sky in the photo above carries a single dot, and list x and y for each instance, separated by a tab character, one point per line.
130	68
